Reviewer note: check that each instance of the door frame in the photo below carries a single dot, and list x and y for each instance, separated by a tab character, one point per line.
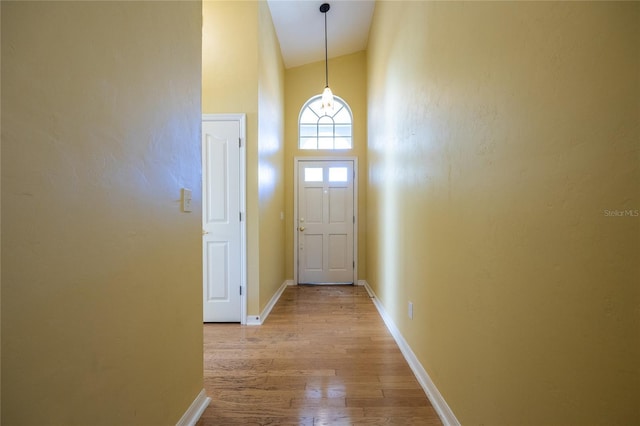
241	118
296	164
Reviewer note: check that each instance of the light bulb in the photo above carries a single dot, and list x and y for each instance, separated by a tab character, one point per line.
327	100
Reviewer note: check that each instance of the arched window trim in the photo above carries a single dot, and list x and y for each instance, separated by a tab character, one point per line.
340	104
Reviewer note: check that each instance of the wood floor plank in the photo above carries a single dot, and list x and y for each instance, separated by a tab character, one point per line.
322	357
258	421
403	392
425	412
388	402
318	402
374	421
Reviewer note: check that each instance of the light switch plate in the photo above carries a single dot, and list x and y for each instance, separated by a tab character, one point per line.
186	200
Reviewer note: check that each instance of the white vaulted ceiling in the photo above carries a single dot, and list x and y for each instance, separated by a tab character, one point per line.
300	28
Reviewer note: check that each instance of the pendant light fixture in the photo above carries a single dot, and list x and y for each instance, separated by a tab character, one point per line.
327	95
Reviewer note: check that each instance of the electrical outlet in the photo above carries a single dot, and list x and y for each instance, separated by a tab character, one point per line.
410	310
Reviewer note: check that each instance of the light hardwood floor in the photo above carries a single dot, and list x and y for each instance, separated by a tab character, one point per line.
322	357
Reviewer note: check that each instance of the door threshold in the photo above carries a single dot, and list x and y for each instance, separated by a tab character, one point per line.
325	283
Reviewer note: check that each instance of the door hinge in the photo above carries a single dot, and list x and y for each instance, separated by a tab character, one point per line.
239	142
354	264
240	216
354	219
240	290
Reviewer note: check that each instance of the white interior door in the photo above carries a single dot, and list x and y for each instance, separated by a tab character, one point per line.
325	223
222	236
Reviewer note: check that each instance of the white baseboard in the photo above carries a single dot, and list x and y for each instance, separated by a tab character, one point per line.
259	319
195	410
253	320
439	404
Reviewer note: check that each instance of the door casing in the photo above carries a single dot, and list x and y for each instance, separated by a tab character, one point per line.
329	159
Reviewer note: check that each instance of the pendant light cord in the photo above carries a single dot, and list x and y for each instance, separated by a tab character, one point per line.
326	58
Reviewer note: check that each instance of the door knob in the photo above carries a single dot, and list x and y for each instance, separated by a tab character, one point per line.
301	228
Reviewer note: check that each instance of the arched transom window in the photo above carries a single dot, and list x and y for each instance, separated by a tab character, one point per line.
325	130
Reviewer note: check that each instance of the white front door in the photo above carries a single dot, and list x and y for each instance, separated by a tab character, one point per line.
325	222
222	232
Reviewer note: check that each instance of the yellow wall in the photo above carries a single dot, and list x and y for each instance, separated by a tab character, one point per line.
0	224
348	80
230	85
270	156
499	135
101	272
243	72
